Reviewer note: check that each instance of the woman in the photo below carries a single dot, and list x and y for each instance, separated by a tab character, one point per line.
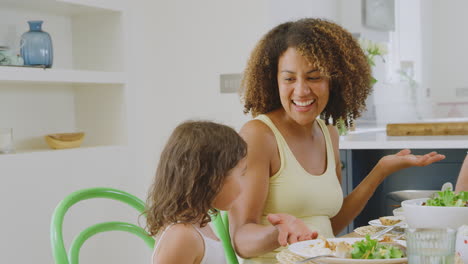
462	181
298	72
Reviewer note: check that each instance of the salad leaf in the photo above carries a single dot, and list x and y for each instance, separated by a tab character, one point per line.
449	198
372	249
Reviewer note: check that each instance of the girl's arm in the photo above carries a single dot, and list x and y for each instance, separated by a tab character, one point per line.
181	244
250	237
462	182
355	202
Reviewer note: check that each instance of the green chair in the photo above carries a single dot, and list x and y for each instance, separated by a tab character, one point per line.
56	237
220	223
221	226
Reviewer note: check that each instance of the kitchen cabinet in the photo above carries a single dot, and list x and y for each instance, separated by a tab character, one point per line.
430	177
346	181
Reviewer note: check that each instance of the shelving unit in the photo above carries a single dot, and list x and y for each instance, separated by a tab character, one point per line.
86	88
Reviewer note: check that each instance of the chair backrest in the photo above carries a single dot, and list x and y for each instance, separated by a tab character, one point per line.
56	237
221	226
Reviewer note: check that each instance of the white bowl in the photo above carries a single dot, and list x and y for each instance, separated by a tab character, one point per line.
419	216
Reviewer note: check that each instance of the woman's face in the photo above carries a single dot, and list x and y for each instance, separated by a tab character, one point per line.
231	187
303	91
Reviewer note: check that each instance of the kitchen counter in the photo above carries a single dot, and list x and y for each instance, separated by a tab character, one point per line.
376	138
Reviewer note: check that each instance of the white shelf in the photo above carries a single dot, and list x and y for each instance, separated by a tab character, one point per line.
67	7
38	75
38	155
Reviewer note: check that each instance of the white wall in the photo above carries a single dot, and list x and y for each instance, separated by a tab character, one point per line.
449	62
189	45
185	46
280	11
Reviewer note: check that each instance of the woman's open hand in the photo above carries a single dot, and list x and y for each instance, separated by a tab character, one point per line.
291	229
404	159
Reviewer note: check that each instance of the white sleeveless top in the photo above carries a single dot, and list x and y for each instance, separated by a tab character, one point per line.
214	252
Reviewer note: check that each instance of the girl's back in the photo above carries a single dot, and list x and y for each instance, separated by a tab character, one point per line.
187	243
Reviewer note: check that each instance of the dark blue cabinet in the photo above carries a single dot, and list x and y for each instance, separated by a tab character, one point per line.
361	162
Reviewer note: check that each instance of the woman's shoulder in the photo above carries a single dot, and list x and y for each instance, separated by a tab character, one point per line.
260	139
256	128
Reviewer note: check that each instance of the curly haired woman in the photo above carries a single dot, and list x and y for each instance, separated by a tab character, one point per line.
299	72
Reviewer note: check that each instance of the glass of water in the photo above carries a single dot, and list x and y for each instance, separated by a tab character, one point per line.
430	246
6	140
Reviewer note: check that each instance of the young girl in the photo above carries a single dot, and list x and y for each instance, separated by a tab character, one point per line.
198	171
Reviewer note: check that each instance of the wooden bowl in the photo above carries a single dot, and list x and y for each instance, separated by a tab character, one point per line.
65	140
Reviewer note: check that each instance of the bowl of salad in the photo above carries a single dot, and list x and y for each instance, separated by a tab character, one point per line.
446	209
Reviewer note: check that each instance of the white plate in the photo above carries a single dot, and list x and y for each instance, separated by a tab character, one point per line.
298	248
376	222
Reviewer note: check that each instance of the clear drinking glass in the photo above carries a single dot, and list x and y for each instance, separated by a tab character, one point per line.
430	246
6	140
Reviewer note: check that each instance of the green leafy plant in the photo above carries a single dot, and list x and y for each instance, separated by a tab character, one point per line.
449	198
372	249
342	130
371	50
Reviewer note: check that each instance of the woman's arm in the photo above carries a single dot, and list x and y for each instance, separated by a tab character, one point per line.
250	237
355	202
462	182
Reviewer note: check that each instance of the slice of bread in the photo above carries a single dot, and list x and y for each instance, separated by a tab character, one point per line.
390	220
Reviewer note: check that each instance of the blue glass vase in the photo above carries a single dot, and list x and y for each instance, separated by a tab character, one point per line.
36	46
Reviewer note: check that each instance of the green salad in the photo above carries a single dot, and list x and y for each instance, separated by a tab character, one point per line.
372	249
449	198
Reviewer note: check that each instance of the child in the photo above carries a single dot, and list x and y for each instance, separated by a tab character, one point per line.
199	170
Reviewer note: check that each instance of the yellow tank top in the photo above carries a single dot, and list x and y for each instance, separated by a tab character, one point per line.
312	198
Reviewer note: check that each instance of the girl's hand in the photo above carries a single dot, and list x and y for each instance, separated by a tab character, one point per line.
291	229
404	159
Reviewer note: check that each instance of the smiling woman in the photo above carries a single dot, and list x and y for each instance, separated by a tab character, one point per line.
299	72
303	90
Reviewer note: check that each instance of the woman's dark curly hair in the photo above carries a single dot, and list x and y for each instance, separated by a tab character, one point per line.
192	168
331	48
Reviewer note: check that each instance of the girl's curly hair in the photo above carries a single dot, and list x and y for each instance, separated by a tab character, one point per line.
192	168
331	48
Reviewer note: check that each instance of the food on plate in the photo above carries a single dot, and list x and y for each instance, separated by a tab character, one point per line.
363	249
390	220
449	198
373	249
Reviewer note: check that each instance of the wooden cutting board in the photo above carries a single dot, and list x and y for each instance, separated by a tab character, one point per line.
427	129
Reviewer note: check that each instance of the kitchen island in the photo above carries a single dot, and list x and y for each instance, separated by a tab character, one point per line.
360	150
376	138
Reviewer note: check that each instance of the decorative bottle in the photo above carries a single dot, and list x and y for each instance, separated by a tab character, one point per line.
36	46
